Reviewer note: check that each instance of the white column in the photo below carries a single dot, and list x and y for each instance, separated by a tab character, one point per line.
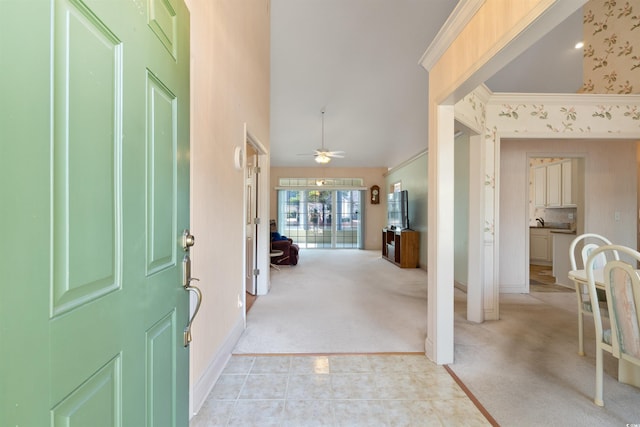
475	305
439	342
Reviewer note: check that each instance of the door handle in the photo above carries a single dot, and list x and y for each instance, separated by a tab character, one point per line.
187	329
187	279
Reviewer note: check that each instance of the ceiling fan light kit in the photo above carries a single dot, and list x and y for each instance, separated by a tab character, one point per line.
322	155
322	159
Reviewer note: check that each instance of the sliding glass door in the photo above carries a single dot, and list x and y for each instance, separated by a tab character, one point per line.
321	218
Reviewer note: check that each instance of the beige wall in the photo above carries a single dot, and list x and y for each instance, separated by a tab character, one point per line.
375	215
229	86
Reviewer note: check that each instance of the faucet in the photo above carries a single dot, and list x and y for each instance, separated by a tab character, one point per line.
540	221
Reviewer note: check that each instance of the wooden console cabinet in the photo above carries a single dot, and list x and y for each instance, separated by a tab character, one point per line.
401	247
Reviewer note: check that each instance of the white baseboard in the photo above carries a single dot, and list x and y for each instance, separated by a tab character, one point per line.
513	289
428	349
491	315
204	385
460	286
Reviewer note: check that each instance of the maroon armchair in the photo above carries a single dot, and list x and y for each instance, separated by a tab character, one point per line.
282	243
289	252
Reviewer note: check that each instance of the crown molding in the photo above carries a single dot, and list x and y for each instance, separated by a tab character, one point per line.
483	93
406	162
457	20
562	98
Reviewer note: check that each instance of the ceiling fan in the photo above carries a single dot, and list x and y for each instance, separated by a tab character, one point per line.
323	155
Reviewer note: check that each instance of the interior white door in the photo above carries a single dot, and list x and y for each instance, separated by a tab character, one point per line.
252	171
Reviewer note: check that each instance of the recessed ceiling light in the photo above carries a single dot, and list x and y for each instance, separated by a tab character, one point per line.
579	45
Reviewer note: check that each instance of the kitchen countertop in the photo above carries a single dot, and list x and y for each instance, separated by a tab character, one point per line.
561	231
556	227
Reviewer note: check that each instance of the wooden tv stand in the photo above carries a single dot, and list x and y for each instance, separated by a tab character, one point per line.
401	247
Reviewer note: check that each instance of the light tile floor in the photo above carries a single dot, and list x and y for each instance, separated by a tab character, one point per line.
336	390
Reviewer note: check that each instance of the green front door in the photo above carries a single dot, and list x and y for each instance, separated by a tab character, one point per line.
94	198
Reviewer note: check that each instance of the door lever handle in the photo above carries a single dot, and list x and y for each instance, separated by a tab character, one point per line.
195	290
186	284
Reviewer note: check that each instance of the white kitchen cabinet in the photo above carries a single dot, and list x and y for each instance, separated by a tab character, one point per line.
569	183
554	184
540	186
540	246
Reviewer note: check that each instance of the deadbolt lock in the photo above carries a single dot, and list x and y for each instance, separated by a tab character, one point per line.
187	240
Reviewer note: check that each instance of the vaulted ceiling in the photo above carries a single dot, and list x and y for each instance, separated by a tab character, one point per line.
358	60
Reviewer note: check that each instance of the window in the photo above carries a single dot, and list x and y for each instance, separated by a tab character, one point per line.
321	218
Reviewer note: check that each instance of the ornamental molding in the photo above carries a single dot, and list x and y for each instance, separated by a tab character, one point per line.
455	23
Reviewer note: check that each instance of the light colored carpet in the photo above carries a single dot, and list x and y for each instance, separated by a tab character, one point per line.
342	301
525	368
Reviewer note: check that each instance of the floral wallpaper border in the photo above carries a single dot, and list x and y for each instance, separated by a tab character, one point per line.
609	118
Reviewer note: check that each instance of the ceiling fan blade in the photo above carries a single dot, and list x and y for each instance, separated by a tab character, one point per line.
327	151
336	154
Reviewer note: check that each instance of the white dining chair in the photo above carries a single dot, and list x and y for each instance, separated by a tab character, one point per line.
589	242
622	288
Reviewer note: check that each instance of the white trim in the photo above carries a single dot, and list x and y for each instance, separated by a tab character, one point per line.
264	233
475	252
254	140
455	23
201	389
469	123
483	93
330	184
406	162
568	135
588	99
292	182
263	261
440	323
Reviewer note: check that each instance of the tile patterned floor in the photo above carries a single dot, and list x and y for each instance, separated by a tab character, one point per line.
336	390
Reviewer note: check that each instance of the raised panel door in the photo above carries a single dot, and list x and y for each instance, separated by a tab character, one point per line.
97	175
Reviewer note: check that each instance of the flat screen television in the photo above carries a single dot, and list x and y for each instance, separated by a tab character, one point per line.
398	210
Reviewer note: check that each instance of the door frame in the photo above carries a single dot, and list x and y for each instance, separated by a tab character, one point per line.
262	257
